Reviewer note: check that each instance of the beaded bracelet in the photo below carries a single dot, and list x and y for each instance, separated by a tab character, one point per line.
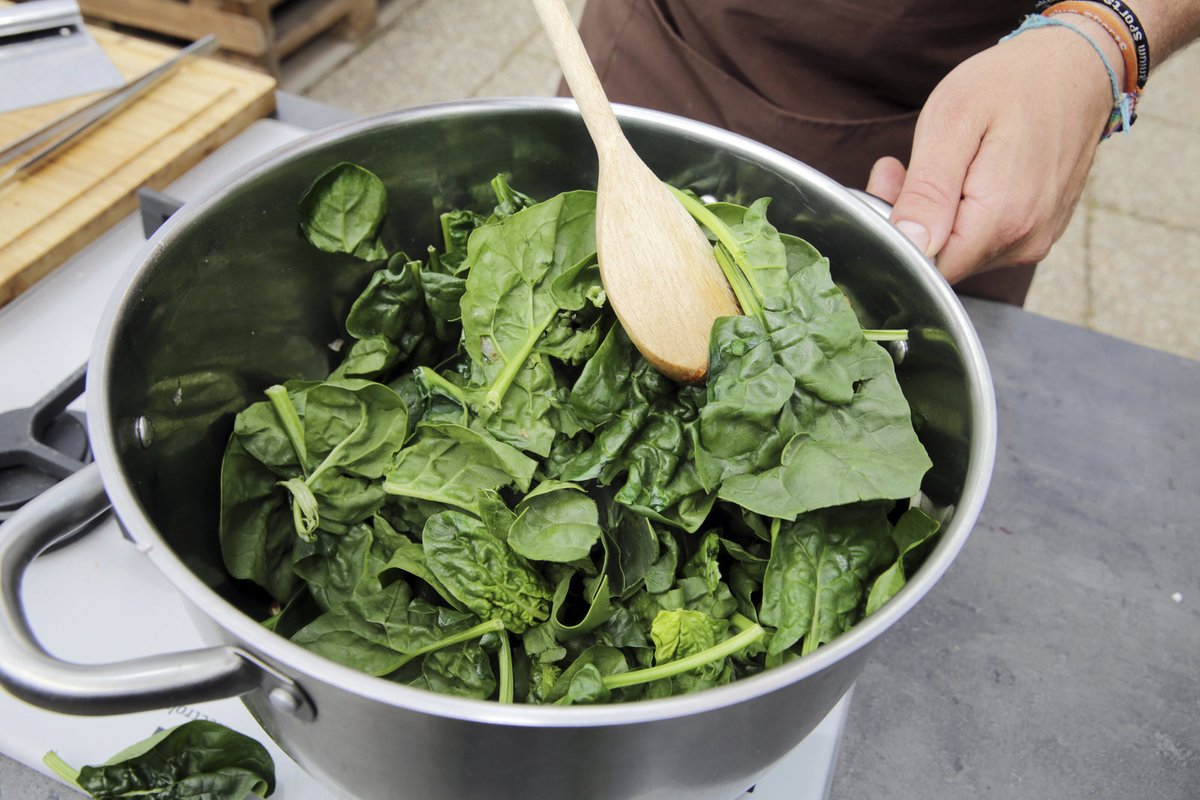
1137	40
1122	116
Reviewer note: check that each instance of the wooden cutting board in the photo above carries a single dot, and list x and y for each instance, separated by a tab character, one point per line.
50	214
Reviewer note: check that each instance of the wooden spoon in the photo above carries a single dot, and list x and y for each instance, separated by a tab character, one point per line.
657	265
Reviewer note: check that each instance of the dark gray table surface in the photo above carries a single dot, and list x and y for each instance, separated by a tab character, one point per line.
1055	659
1052	661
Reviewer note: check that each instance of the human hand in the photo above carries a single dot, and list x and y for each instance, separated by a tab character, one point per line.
1002	150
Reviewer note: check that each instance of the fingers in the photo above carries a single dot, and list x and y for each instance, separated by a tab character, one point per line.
945	144
887	178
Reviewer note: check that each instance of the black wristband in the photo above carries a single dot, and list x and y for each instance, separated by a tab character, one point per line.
1141	45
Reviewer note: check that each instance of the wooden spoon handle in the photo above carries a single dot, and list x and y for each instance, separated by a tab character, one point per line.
581	76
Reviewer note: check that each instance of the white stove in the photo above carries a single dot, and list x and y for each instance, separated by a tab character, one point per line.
98	599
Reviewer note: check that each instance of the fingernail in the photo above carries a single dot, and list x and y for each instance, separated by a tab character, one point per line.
916	233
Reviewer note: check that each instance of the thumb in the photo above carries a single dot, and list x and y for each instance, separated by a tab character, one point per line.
943	149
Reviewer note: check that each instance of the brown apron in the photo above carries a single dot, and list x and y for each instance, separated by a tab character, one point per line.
834	83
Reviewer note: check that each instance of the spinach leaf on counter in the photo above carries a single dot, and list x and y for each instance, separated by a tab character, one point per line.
495	496
198	760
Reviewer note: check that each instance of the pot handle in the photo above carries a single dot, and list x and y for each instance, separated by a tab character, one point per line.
139	684
880	206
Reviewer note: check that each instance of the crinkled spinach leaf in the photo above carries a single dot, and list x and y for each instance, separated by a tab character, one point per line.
198	760
483	572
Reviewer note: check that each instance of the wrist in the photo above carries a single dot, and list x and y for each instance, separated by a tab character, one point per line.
1121	104
1101	32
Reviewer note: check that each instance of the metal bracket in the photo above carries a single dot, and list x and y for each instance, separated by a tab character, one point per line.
284	694
155	208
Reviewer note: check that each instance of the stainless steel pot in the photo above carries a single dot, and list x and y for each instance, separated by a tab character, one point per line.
227	299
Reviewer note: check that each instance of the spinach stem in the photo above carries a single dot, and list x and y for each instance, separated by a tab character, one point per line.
61	768
282	403
504	193
506	669
432	379
482	629
740	622
748	295
306	511
719	651
499	387
742	289
886	334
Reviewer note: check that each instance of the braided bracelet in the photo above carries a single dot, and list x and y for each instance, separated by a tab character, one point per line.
1133	26
1118	34
1122	116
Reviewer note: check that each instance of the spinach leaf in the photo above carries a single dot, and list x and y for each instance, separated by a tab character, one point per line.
457	466
370	633
483	572
802	415
368	359
456	230
392	307
913	529
256	528
748	250
661	573
556	521
703	563
507	306
643	431
632	549
598	608
198	760
681	633
508	200
342	210
351	430
815	579
409	557
381	632
337	567
443	299
605	660
587	686
464	670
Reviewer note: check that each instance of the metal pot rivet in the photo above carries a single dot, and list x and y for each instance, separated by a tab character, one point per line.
284	700
143	429
898	350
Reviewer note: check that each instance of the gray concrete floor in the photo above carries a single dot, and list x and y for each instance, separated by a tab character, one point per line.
1128	265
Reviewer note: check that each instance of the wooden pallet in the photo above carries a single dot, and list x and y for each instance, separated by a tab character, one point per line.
47	216
261	31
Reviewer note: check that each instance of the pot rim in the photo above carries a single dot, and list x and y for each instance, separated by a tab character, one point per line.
300	663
